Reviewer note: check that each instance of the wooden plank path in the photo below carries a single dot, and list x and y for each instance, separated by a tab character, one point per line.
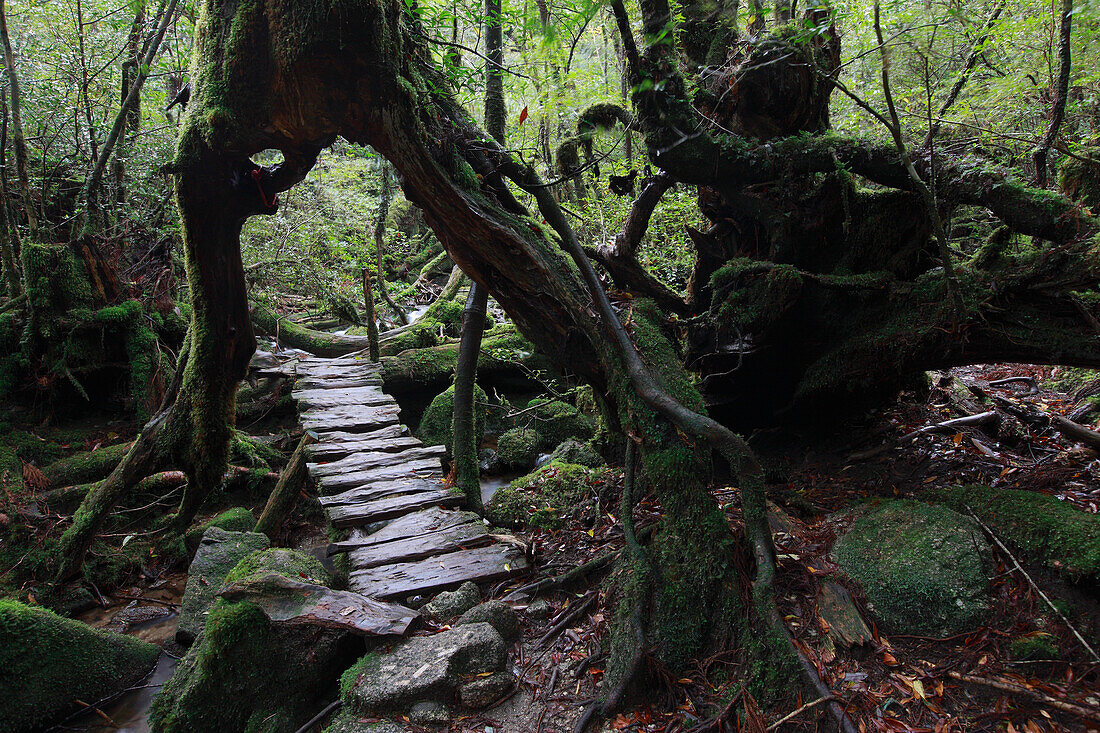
368	470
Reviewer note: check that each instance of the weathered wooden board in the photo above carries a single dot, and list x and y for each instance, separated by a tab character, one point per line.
428	468
348	382
365	461
388	508
324	398
462	537
441	572
379	432
425	521
327	451
378	490
350	418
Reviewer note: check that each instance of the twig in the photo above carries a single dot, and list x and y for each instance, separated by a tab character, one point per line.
1034	694
567	617
1030	381
1046	599
967	421
795	713
331	707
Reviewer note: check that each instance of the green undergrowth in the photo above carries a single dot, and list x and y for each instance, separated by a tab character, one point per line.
1041	527
436	424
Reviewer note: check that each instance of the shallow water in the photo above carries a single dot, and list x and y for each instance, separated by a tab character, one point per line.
491	484
130	712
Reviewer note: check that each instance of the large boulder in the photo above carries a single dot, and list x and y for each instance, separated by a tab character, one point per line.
434	668
556	422
435	425
497	614
219	552
451	603
48	662
922	567
248	671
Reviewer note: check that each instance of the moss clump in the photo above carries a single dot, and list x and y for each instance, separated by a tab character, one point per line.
82	468
1037	645
923	567
49	662
547	496
250	452
1037	525
518	448
435	425
556	422
572	451
1080	179
291	563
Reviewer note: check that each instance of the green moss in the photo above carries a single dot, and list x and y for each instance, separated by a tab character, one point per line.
922	567
84	467
518	448
50	662
246	451
435	426
291	563
1036	645
556	422
547	496
1041	527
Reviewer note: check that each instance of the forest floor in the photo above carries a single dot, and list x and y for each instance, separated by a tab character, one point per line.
966	682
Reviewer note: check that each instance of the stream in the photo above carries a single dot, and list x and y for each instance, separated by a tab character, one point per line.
130	713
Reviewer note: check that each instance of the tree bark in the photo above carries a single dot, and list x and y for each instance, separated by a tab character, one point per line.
1061	91
372	323
282	497
467	471
17	123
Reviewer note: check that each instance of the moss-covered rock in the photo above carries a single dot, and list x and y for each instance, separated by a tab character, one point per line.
219	552
237	519
557	422
573	451
922	567
247	673
547	496
49	662
435	425
1039	526
518	448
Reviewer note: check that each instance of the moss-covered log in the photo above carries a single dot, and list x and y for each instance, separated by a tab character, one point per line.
319	343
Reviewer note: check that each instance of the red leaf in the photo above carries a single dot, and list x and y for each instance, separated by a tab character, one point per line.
523	115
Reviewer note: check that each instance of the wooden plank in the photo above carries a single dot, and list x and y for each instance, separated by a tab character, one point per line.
326	398
361	419
364	461
346	382
389	507
335	438
428	468
335	451
370	492
425	521
462	537
442	572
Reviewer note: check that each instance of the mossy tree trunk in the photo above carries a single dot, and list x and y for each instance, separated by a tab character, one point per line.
467	471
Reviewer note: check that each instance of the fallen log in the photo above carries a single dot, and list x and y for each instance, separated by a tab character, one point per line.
1073	431
319	343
